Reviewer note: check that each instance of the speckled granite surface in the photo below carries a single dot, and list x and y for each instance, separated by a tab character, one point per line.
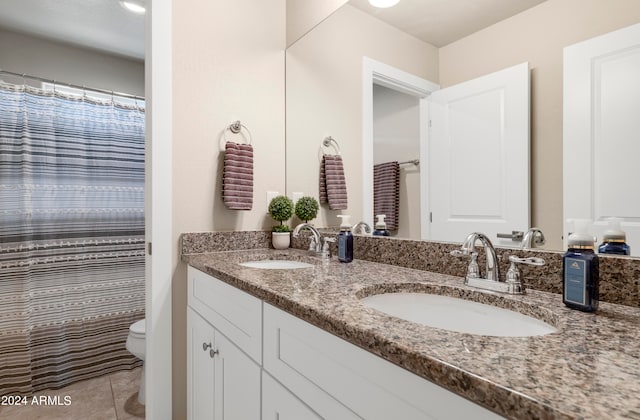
588	369
199	242
619	276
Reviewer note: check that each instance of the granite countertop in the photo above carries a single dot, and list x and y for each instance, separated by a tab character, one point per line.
589	369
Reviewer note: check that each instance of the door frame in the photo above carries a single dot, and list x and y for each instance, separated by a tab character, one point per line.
158	210
378	73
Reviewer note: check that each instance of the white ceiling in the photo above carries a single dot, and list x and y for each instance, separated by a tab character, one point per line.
105	25
99	24
440	22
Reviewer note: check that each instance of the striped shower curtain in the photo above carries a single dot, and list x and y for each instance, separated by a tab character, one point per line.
71	236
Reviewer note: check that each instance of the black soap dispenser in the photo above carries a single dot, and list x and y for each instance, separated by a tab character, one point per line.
580	268
345	240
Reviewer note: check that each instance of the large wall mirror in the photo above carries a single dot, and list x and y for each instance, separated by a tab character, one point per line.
324	85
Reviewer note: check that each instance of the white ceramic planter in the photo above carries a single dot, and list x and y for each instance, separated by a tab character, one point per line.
281	240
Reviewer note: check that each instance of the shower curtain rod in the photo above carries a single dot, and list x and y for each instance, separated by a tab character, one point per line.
84	88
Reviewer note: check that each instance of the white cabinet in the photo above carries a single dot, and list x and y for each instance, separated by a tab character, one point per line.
307	360
223	377
223	382
280	404
248	360
200	367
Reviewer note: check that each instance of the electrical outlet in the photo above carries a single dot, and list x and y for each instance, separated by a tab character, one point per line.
270	196
297	196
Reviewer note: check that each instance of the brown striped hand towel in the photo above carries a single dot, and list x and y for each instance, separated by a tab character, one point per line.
386	192
333	186
237	176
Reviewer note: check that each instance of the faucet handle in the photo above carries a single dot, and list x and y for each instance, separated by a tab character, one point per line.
529	260
458	253
513	275
473	270
326	250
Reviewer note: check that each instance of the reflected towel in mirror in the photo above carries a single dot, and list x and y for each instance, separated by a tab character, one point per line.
386	192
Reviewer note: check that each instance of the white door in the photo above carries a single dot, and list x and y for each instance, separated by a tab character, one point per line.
601	132
479	157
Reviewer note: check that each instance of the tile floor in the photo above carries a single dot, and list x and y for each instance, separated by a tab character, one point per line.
109	397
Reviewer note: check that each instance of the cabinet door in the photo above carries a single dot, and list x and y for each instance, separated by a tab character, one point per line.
200	368
320	368
279	404
237	382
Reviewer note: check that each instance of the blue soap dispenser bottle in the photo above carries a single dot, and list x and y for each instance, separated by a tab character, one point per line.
580	268
614	240
381	226
345	240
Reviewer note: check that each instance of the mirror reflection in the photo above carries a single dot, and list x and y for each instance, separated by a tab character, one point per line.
324	92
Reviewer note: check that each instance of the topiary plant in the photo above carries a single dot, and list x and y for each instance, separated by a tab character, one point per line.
281	209
307	208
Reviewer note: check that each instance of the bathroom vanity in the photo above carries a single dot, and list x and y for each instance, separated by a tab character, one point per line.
236	339
298	343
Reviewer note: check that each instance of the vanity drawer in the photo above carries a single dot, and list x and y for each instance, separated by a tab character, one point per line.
306	359
234	313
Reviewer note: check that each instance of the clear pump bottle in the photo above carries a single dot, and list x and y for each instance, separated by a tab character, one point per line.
381	226
580	270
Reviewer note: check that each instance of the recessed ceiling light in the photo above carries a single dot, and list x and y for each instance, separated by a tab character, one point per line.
383	3
135	6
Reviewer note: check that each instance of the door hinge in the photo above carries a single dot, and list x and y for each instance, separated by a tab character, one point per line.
430	217
430	123
149	248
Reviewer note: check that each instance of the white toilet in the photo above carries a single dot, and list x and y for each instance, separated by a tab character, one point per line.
136	346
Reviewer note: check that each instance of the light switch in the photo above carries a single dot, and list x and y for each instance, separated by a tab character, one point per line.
270	196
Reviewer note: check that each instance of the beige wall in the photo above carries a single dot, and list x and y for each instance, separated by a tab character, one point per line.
303	15
228	64
66	63
538	36
324	96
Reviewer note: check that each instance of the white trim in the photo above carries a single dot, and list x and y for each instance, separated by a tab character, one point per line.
158	91
375	72
425	169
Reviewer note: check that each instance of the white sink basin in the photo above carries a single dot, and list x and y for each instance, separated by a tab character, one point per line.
276	264
458	315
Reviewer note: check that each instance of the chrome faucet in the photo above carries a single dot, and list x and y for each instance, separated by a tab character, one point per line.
533	238
469	248
473	278
361	225
316	246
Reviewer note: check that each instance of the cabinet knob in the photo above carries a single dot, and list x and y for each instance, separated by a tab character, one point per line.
212	353
205	346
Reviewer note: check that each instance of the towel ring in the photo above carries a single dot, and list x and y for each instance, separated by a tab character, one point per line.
236	127
328	141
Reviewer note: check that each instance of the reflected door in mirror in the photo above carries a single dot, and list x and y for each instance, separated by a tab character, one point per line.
601	147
